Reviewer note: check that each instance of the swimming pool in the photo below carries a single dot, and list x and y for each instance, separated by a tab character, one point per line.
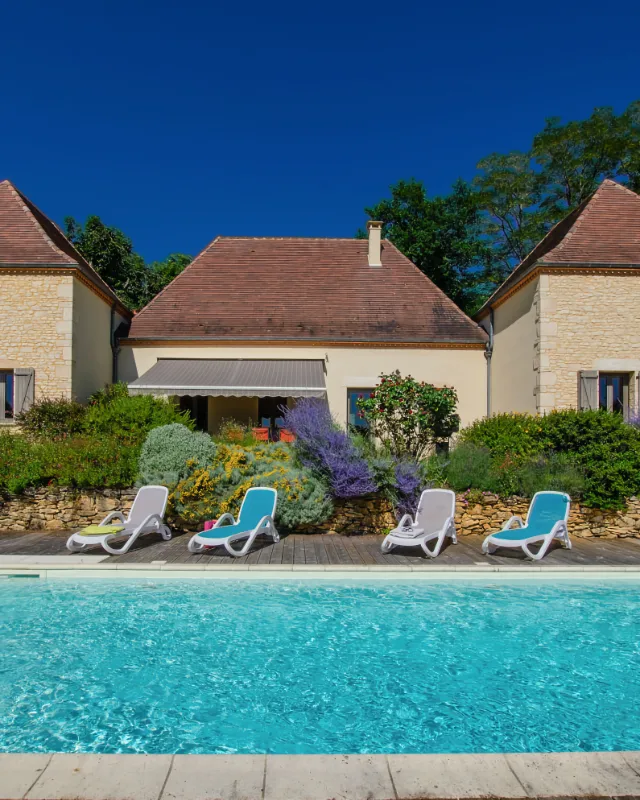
152	666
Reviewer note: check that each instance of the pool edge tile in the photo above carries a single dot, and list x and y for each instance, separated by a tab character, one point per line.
19	772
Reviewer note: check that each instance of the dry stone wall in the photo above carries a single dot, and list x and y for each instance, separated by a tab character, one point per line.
65	509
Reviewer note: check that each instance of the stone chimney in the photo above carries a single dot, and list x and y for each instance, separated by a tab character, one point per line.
374	229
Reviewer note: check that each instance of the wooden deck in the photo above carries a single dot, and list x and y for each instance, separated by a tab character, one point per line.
327	549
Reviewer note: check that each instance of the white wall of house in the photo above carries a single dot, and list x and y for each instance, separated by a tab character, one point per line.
346	367
91	341
513	367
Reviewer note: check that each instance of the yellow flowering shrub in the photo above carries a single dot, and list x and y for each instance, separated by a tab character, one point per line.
220	487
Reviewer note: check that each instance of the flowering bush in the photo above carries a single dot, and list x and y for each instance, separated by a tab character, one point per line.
53	419
172	452
220	487
322	446
409	416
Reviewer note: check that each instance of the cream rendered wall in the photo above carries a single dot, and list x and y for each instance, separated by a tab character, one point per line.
513	365
36	312
346	367
92	357
589	322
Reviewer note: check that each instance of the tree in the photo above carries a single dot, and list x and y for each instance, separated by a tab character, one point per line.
110	252
409	416
509	192
440	235
522	195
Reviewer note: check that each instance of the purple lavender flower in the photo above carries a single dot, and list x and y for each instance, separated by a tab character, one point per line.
409	485
324	447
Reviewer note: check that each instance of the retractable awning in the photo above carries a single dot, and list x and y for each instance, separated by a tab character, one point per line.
232	378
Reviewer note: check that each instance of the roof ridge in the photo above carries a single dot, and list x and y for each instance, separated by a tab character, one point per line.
296	238
24	205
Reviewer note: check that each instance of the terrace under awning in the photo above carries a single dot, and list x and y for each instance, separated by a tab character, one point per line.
195	377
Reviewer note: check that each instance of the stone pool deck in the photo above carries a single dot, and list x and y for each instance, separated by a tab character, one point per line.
318	551
317	777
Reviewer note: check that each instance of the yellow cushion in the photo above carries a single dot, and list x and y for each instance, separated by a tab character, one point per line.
100	530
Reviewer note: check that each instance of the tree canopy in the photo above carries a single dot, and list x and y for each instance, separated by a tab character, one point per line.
111	254
470	239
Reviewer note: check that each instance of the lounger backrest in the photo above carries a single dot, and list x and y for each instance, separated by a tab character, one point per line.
434	508
545	510
149	500
258	503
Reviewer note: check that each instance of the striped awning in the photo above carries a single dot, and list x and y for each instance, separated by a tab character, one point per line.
232	378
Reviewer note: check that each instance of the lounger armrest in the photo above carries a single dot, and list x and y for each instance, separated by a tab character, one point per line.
406	522
558	526
507	525
114	515
224	518
263	522
147	520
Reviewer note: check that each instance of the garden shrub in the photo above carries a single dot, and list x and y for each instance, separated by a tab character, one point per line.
115	414
234	432
410	416
468	466
75	463
53	419
601	454
220	487
172	452
323	447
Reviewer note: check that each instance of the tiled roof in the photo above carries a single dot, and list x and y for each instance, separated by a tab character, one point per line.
303	290
29	238
603	231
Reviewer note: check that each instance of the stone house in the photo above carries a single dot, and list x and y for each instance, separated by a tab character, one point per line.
58	318
564	328
253	324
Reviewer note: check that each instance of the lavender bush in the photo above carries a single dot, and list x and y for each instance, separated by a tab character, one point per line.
409	484
322	446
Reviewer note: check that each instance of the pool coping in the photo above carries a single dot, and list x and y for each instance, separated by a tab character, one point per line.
48	569
59	776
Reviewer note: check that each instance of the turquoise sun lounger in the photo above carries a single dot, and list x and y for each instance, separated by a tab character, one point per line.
256	517
546	521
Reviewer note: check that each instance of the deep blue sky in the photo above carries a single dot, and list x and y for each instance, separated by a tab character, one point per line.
178	121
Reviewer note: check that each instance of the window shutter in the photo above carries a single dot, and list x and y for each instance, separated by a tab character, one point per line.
588	390
24	379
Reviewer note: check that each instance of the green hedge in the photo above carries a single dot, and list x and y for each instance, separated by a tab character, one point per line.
594	455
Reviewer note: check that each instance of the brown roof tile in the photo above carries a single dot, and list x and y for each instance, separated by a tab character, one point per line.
603	231
29	238
303	289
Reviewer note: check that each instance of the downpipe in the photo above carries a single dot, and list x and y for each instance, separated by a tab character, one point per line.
488	353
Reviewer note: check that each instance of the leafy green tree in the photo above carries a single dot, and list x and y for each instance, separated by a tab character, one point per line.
111	254
574	158
440	235
509	192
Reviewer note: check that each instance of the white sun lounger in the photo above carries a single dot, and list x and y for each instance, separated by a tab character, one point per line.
435	519
146	516
256	516
546	520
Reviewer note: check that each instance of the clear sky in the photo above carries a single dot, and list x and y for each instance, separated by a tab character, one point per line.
179	121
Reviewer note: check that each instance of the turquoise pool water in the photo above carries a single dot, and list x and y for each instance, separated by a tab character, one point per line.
313	667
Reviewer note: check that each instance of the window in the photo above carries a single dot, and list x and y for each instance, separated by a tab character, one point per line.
613	389
354	416
6	394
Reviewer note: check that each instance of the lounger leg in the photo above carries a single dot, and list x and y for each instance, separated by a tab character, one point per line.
165	532
244	550
75	547
386	546
115	551
438	545
194	547
488	547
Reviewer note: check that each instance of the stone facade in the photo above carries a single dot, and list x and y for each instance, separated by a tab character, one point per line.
66	509
585	322
36	314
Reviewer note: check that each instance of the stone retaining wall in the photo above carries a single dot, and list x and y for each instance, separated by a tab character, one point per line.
66	509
